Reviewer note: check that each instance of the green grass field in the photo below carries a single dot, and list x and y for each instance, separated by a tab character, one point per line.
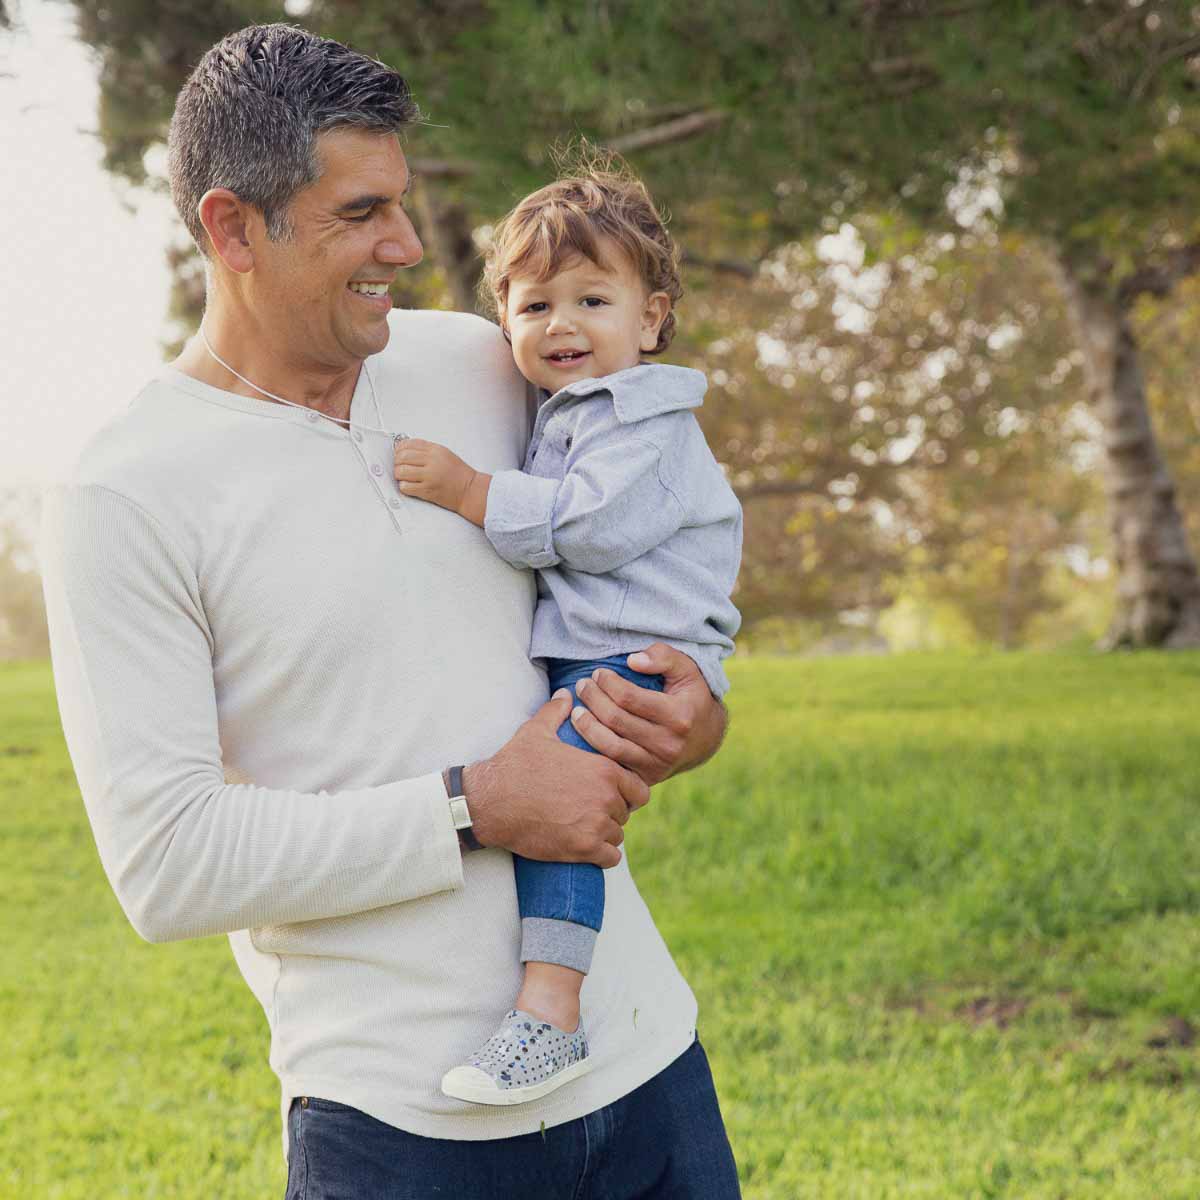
942	916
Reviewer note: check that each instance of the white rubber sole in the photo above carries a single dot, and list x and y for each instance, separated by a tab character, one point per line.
460	1086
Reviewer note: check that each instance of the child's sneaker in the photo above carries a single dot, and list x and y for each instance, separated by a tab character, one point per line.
524	1059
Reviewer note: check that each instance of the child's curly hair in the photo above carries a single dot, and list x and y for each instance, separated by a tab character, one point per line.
595	196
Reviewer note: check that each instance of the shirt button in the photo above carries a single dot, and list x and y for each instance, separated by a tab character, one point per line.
394	502
376	469
357	436
312	416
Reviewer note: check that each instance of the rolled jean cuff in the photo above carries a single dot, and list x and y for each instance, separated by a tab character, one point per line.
562	942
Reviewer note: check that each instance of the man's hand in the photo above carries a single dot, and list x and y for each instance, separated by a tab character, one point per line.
543	799
431	472
655	734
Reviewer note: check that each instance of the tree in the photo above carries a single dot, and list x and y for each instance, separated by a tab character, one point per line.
1076	119
1073	122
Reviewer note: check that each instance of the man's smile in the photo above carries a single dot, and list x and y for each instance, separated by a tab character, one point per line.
374	294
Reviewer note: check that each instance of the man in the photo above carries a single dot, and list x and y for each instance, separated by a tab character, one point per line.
269	664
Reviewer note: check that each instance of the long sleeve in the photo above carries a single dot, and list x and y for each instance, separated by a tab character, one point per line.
187	854
610	507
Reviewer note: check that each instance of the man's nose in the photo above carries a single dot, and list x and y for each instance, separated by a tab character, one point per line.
401	246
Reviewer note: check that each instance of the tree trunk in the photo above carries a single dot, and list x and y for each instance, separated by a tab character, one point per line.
1158	589
448	228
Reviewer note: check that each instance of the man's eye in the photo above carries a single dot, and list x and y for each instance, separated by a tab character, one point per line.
365	216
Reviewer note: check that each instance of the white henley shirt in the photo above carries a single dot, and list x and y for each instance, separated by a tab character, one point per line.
264	657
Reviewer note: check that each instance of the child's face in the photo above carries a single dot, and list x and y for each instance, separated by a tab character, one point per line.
584	322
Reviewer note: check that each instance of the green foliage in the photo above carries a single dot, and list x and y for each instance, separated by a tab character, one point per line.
928	127
940	915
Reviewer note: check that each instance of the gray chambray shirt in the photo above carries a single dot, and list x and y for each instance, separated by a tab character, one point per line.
622	509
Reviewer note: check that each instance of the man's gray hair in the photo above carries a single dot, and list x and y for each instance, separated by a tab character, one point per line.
248	117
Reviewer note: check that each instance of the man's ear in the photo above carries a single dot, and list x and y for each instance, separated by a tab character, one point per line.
227	220
654	313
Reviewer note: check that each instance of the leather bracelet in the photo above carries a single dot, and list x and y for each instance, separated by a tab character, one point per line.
466	835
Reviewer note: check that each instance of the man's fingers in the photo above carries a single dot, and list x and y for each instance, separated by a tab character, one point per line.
661	659
554	712
634	790
655	708
610	744
608	710
607	856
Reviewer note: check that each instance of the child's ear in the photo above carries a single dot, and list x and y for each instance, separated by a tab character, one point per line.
654	313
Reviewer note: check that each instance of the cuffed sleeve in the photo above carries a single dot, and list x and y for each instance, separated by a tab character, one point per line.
188	854
610	507
520	517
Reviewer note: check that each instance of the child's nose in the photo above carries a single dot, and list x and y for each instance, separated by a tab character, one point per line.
560	322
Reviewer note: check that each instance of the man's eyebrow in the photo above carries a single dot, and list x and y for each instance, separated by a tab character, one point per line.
369	200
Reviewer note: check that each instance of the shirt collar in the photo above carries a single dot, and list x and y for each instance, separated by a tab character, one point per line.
647	390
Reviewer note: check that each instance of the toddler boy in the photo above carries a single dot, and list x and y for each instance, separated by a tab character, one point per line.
625	515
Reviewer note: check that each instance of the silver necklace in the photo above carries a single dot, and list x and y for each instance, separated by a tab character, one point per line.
396	437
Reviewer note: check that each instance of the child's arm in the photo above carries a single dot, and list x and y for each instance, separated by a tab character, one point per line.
431	472
610	507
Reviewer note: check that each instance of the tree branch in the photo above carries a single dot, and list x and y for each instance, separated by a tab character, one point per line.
670	131
1182	50
727	266
940	14
1089	44
778	487
440	168
678	130
883	68
1160	279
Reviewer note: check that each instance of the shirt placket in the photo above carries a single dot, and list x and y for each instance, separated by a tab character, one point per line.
376	452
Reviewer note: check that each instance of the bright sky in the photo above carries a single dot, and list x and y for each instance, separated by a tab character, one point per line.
84	293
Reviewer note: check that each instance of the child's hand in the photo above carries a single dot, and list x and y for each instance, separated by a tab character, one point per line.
431	472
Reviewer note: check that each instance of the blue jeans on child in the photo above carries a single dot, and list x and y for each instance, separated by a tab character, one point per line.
562	904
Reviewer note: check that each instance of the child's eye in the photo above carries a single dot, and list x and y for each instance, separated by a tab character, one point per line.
536	306
594	301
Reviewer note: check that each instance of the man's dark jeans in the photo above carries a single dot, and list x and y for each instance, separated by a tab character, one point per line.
664	1141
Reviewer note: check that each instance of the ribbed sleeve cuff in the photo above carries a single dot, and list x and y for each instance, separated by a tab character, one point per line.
520	511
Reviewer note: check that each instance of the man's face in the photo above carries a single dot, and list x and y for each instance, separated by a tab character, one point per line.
584	322
350	230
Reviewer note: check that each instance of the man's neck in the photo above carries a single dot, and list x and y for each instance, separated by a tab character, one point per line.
326	390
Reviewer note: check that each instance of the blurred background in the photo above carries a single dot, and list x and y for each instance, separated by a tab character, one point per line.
942	267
